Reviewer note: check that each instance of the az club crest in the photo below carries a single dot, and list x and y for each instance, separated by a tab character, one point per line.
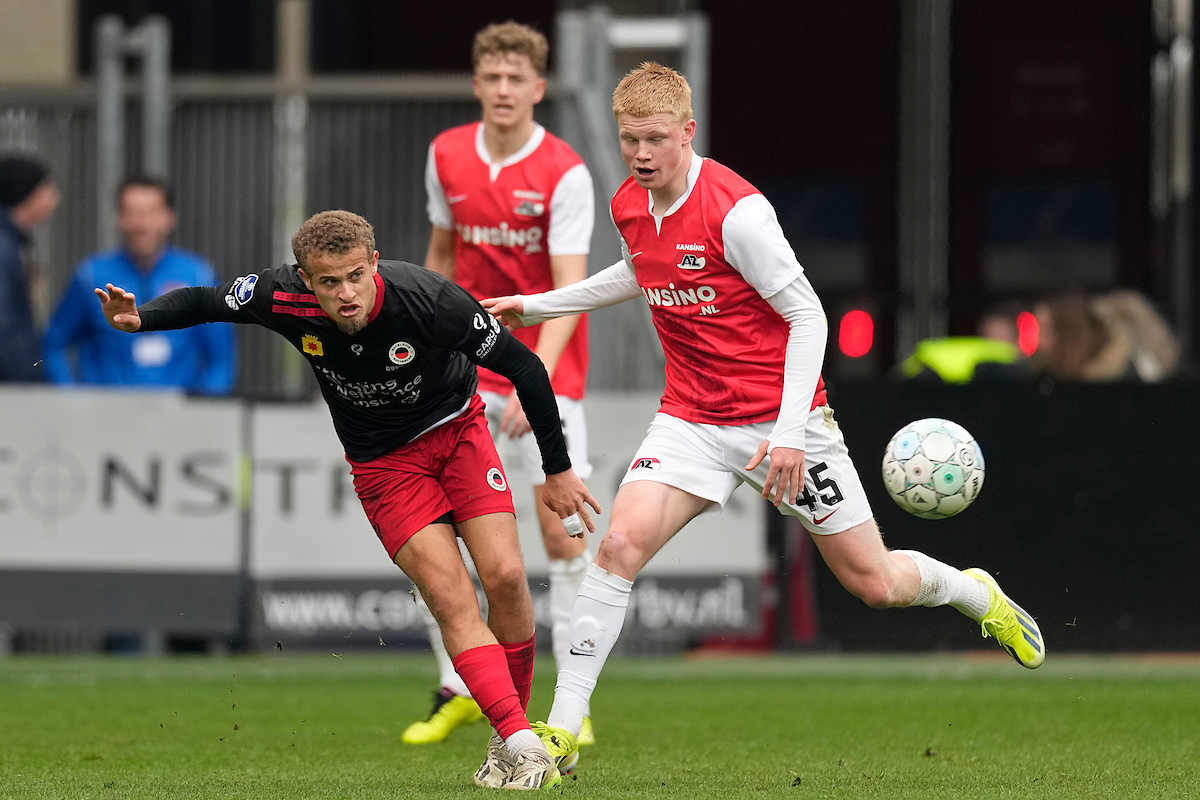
528	208
691	261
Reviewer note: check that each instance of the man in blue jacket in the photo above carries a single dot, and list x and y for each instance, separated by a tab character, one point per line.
28	196
80	345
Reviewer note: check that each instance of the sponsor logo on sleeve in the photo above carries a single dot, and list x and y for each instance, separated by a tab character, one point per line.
401	353
493	334
241	291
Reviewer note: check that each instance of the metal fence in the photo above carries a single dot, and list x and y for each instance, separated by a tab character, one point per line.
365	151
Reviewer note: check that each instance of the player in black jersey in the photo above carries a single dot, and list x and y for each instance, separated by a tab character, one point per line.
394	348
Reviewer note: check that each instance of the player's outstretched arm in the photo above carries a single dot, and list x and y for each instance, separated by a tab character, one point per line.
609	286
120	308
506	309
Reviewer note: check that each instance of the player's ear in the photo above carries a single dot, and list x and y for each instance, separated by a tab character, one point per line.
539	90
689	131
304	277
374	260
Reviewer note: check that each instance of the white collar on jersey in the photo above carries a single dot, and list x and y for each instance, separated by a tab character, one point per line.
692	175
539	133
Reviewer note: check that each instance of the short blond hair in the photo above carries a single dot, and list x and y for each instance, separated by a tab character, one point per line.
511	37
335	232
653	89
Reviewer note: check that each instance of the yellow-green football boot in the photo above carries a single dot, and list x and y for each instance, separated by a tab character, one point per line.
587	735
450	712
1010	625
561	744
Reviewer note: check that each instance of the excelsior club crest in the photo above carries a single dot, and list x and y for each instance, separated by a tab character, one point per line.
401	353
495	479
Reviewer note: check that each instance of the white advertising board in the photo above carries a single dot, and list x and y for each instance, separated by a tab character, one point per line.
95	480
308	523
306	519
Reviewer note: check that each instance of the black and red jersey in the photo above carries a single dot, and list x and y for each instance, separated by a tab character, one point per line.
410	369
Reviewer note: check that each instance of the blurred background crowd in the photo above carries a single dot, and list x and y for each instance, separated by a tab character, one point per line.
975	192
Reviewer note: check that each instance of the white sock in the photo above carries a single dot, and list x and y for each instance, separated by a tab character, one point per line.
521	741
595	625
943	585
566	576
446	672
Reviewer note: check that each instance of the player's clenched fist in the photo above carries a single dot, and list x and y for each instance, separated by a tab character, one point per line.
120	308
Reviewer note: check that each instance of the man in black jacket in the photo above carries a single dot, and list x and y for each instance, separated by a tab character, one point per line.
28	196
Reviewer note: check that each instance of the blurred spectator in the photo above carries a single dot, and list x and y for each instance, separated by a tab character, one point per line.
28	197
1109	337
990	355
81	347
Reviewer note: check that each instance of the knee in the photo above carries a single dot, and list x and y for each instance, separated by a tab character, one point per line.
619	552
876	589
505	577
449	602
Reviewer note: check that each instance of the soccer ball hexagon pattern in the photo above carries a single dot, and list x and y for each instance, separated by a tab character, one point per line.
933	468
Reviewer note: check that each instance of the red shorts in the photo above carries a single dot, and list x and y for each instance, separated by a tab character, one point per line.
452	469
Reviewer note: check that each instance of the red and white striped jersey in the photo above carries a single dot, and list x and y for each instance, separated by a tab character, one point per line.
508	219
705	268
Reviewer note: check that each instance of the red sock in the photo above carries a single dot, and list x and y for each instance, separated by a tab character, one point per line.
485	672
520	666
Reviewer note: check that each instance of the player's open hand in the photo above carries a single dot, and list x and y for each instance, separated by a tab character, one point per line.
785	475
565	495
120	308
506	309
514	422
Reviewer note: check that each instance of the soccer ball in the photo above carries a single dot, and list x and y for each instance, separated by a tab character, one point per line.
933	468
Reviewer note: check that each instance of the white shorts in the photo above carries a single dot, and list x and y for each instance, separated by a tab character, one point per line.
709	461
522	454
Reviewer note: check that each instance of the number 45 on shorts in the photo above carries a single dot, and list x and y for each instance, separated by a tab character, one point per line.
827	490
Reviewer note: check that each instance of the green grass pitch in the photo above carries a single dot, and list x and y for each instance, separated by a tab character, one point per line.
326	726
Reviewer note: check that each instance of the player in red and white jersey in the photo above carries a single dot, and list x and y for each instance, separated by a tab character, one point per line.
744	337
512	209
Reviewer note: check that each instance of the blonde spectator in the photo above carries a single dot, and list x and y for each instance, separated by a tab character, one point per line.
1110	337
